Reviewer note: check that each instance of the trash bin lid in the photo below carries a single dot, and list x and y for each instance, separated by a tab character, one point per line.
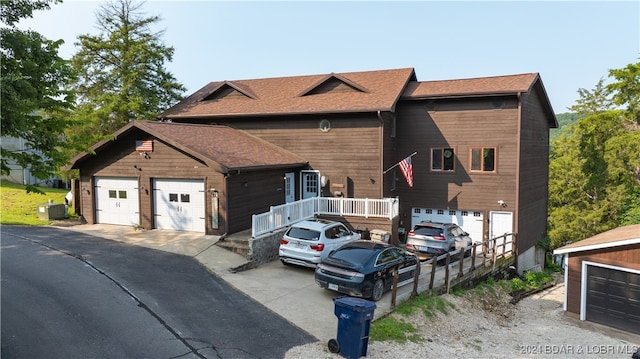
355	304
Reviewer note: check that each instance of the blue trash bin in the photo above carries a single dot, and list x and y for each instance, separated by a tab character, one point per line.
354	320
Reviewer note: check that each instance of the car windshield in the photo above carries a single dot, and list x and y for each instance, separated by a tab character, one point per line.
353	255
428	231
303	233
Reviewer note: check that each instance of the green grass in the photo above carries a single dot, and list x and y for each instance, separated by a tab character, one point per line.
531	280
392	329
19	207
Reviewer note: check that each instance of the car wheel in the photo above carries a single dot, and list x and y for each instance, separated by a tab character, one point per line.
378	290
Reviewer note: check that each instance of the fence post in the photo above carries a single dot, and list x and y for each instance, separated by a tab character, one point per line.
434	264
493	254
447	271
461	267
416	279
394	290
473	256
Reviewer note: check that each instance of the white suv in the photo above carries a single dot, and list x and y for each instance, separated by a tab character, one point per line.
308	242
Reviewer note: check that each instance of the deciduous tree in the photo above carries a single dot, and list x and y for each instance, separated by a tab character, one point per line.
35	93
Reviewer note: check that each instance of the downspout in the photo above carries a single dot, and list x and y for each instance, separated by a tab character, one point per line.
381	145
225	190
518	149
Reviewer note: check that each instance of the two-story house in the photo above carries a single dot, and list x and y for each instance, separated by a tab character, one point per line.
234	148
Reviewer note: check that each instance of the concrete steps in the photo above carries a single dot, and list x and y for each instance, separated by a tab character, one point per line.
237	243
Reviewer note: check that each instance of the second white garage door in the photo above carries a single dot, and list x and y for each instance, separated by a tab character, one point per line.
470	221
179	204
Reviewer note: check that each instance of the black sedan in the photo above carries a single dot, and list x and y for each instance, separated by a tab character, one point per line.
363	268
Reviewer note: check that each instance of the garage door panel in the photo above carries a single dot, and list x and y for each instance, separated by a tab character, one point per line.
470	221
179	204
613	298
117	201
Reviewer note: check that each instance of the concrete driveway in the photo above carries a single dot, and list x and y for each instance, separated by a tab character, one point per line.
289	291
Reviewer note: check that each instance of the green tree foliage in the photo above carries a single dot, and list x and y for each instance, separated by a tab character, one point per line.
121	70
35	94
594	182
626	89
594	101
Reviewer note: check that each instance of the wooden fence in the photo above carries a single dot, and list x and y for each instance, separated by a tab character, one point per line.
429	273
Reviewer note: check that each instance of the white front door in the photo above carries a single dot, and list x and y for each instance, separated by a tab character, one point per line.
289	187
117	201
179	204
499	224
310	184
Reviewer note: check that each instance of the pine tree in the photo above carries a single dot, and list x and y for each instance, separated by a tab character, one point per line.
121	71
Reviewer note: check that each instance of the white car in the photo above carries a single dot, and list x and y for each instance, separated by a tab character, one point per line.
308	242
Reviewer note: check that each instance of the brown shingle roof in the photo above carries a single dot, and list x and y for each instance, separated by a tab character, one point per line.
232	148
476	86
616	237
228	147
372	91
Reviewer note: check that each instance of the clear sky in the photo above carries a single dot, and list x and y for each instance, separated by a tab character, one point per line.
571	44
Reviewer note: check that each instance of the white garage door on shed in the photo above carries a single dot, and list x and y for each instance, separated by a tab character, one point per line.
117	201
470	221
179	204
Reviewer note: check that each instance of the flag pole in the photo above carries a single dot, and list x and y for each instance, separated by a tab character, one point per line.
396	165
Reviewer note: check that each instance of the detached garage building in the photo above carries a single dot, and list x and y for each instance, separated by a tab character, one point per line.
602	278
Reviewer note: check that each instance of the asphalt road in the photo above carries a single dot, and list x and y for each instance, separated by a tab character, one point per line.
71	295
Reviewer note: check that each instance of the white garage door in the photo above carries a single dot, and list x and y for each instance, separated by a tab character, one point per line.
470	221
117	201
179	204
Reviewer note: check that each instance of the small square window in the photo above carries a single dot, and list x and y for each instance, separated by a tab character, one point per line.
440	211
465	213
452	213
428	211
185	198
442	159
476	214
122	194
416	210
113	193
173	197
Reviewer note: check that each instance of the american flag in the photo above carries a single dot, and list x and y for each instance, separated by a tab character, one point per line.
144	145
407	170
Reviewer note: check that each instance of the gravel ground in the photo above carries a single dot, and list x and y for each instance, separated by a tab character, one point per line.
491	327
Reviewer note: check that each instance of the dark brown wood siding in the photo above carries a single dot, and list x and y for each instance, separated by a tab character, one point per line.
623	256
121	160
459	124
348	155
253	193
531	217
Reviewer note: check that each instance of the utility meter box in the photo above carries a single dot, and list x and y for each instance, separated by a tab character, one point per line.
50	211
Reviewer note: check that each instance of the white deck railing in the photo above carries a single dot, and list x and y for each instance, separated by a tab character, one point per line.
286	214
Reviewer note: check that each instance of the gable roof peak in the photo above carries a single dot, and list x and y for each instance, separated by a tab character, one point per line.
225	89
330	83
